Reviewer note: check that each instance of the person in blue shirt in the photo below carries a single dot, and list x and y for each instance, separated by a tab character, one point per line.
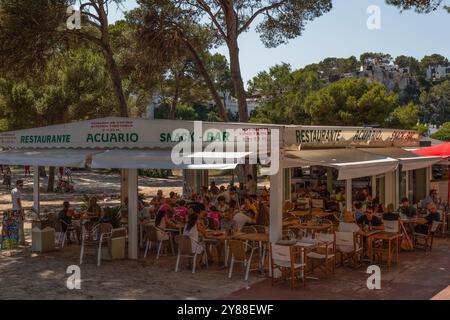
358	210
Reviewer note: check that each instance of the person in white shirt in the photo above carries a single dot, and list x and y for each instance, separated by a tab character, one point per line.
242	218
16	198
191	230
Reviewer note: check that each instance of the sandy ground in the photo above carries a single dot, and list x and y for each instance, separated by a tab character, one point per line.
27	275
43	276
103	184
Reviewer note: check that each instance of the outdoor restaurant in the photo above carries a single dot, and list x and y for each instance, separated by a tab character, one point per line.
337	194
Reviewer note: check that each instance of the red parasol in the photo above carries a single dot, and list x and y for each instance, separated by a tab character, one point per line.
441	150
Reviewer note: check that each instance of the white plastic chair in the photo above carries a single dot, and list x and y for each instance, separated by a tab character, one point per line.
95	238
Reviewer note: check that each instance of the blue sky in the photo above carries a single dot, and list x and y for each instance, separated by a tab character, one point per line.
343	32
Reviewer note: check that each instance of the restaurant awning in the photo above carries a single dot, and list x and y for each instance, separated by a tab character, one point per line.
351	163
408	159
162	159
75	158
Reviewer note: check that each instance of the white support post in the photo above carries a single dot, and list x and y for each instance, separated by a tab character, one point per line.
407	194
276	206
132	214
348	195
330	179
389	196
374	187
397	188
36	193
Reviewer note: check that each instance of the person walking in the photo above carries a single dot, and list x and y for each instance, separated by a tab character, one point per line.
16	198
7	177
27	171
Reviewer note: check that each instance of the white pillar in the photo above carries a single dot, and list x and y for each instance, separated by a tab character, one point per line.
397	188
374	186
389	191
348	195
36	193
407	184
132	213
276	206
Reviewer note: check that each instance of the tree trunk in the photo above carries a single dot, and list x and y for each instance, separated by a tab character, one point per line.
210	84
51	179
116	80
238	82
233	49
173	106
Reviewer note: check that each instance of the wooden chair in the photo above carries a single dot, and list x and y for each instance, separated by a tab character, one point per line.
325	253
287	260
288	206
151	236
185	251
427	238
349	246
249	229
241	252
260	228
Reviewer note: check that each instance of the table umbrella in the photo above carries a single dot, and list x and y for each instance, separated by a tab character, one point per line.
441	150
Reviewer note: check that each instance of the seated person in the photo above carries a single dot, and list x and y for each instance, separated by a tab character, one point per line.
65	215
213	215
226	213
433	215
390	214
358	210
431	198
94	210
407	209
158	200
181	211
249	204
243	218
370	221
191	230
265	197
160	224
200	210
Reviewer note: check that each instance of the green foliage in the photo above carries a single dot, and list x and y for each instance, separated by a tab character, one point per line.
420	6
404	117
379	56
422	128
111	214
351	102
443	133
435	104
283	92
433	60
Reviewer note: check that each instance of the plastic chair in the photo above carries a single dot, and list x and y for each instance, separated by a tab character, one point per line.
151	236
96	237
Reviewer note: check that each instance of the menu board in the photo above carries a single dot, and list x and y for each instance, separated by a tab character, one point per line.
10	231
